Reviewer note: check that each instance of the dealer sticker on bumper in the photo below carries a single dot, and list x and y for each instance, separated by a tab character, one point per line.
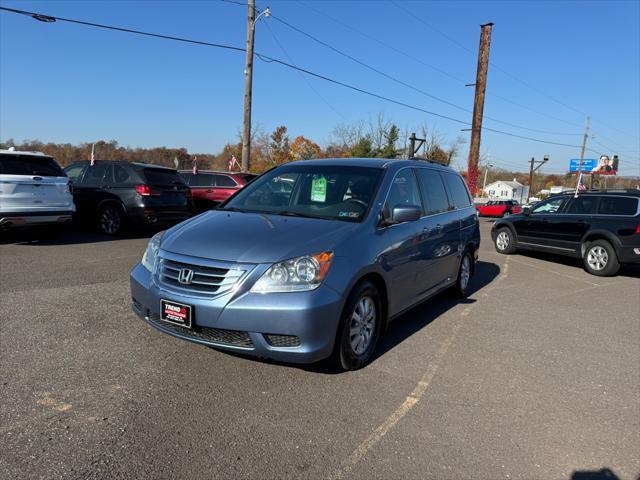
176	313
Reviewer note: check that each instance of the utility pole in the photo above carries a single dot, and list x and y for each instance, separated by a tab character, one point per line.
478	106
532	170
412	145
584	147
248	80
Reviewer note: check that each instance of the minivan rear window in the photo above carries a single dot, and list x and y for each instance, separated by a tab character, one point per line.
30	165
618	206
158	176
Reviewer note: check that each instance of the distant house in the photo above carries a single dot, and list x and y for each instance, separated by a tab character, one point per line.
504	190
555	190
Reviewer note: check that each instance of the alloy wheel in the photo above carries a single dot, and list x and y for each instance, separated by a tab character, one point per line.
502	240
362	325
465	272
110	220
597	258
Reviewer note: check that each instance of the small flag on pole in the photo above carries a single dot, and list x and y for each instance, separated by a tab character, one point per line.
93	157
580	187
195	166
232	162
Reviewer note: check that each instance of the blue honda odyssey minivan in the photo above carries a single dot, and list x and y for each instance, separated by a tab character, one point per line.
312	259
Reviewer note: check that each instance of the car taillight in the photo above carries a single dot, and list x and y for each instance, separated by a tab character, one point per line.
145	191
638	228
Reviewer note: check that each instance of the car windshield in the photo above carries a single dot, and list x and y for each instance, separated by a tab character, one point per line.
326	192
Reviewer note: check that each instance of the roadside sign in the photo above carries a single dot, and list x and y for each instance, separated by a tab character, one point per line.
588	164
603	166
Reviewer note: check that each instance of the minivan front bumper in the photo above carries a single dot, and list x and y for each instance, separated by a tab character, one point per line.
296	327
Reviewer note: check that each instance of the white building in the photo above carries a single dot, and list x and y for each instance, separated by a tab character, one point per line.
557	189
504	190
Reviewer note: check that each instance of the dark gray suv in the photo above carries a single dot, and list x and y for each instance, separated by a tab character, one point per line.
312	259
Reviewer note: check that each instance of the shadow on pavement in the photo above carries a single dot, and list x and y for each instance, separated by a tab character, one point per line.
602	474
420	316
628	270
65	235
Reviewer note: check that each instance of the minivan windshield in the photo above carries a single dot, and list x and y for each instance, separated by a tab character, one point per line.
328	192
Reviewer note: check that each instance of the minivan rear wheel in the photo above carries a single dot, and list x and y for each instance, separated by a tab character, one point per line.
111	219
359	328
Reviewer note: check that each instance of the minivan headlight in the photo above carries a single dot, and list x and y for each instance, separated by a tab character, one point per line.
150	256
295	275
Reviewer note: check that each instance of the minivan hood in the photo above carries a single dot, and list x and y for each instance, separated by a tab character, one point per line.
254	238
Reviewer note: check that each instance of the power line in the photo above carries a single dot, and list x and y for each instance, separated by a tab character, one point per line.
269	59
505	72
284	51
397	80
433	67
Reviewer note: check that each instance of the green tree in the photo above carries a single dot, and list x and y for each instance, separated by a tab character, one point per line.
391	137
363	148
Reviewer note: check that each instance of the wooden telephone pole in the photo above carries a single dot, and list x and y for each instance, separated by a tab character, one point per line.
478	107
248	81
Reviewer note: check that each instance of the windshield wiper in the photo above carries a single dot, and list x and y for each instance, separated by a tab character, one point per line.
289	213
233	209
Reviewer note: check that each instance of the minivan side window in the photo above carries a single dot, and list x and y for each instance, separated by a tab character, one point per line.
618	205
403	191
434	194
458	190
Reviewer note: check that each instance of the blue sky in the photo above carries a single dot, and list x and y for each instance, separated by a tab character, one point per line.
68	83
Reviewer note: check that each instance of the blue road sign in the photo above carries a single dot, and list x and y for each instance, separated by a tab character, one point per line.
588	164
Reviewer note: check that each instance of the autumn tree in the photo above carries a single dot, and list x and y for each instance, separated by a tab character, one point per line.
279	148
304	149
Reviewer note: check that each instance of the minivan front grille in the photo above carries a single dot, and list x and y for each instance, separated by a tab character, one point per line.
218	336
199	279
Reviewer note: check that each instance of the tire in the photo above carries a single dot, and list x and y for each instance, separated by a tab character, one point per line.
111	219
356	340
505	243
600	259
462	286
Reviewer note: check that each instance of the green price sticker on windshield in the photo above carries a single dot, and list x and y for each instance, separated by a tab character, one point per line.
319	189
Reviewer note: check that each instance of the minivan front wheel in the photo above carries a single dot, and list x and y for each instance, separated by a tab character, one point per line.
110	219
360	327
461	287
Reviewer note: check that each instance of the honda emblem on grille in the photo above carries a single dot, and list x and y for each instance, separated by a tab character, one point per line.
185	276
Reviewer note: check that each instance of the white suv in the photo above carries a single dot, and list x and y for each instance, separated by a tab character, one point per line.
34	190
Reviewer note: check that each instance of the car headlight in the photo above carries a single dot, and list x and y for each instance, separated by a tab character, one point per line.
295	275
150	256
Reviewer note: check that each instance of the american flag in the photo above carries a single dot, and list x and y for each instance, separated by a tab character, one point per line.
93	157
581	187
195	166
232	162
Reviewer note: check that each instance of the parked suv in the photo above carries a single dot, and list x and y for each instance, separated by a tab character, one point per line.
210	188
602	228
498	208
311	259
118	194
34	190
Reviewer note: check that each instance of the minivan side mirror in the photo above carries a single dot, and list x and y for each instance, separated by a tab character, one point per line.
405	213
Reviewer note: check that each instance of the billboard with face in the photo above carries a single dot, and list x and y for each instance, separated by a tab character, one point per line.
606	166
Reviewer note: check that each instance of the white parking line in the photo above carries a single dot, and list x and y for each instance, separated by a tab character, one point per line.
547	270
416	394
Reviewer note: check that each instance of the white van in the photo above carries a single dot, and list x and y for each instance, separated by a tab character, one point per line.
34	190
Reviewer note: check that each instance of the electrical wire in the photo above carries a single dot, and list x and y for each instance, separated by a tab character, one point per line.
503	71
269	59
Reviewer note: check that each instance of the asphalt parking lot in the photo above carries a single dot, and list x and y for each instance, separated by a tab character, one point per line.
536	375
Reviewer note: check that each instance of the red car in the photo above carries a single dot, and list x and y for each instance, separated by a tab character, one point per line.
209	188
499	208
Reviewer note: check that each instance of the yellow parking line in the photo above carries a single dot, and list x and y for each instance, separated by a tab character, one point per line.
414	397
